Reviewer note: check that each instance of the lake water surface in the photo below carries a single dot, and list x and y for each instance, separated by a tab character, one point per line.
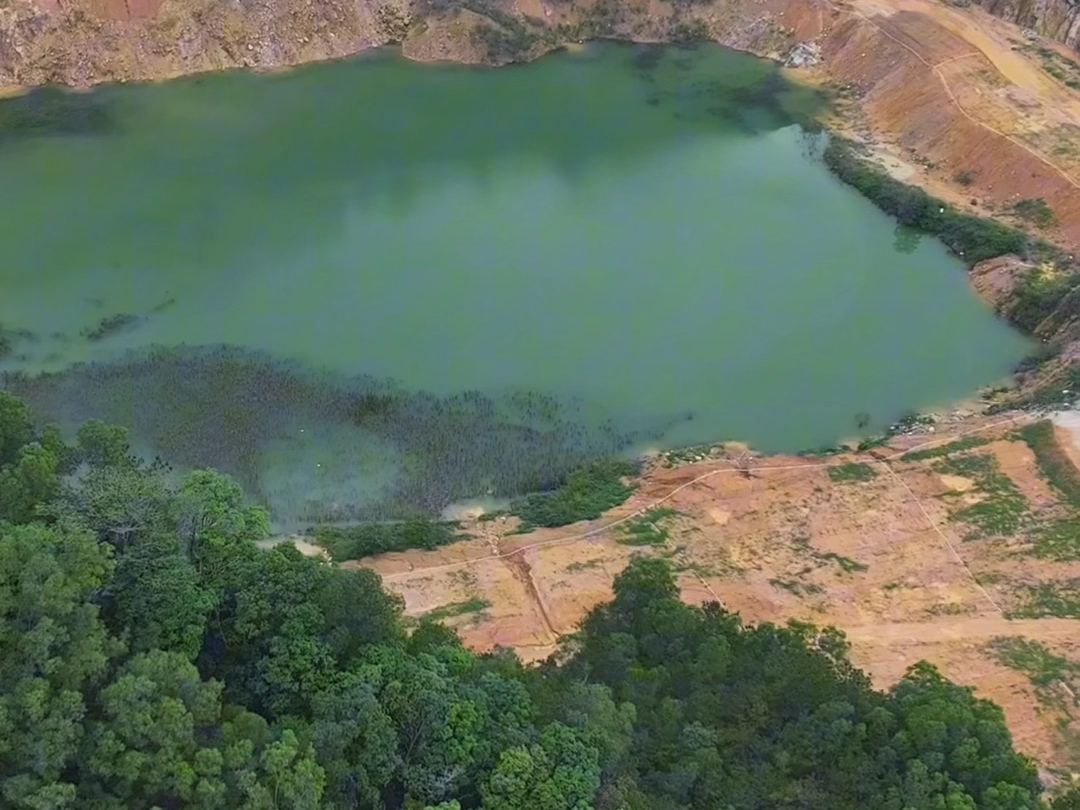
372	286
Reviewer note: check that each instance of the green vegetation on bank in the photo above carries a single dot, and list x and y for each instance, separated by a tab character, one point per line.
585	494
1061	390
366	539
970	237
507	38
152	656
965	443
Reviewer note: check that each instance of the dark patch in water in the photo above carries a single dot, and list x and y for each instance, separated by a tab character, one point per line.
50	111
224	407
110	325
647	57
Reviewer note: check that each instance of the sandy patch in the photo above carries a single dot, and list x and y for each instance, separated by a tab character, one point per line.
956	483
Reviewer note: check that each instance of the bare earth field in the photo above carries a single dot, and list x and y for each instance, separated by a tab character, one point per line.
870	543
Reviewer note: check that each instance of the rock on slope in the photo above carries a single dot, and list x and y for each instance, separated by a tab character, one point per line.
1057	19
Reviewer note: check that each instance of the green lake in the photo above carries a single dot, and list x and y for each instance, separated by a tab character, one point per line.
373	286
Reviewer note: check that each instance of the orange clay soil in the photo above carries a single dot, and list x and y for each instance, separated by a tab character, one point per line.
880	558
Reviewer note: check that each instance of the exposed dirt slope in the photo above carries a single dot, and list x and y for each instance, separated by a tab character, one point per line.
942	91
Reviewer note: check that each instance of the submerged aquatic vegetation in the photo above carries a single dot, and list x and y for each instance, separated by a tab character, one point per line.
110	325
366	449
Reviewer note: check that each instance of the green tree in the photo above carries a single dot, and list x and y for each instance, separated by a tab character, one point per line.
16	427
52	647
156	599
102	445
355	741
119	504
145	749
559	773
210	510
29	482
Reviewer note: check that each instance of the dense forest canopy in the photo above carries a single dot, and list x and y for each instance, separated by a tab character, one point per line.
151	656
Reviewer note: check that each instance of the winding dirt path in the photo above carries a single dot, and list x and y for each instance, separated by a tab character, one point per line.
936	69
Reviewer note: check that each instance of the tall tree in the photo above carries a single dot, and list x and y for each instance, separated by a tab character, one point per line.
53	646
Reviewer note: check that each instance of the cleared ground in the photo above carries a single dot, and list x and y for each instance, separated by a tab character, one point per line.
942	558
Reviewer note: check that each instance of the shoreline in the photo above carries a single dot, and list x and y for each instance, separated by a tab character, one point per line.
846	121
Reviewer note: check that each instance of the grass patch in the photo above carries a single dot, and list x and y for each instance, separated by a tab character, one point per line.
1043	668
585	565
474	605
366	539
1058	540
1059	598
1060	67
965	443
802	544
1033	659
948	609
585	494
1036	211
852	471
796	588
645	529
1051	460
846	563
1004	510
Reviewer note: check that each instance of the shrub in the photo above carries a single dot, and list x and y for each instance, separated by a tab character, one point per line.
1035	211
586	494
367	539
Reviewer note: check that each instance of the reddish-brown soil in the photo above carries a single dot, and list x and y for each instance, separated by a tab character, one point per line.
880	559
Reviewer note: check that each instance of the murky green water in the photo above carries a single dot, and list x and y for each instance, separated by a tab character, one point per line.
376	285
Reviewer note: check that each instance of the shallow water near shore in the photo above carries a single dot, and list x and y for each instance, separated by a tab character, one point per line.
373	287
